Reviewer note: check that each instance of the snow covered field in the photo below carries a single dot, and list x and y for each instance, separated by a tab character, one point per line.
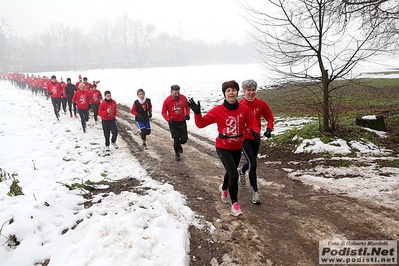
129	227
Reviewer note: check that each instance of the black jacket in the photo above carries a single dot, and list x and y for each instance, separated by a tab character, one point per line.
70	90
143	116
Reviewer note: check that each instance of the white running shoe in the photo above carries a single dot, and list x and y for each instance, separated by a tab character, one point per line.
224	194
115	146
107	148
255	197
241	176
236	209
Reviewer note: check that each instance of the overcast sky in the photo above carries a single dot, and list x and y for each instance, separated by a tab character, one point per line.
209	20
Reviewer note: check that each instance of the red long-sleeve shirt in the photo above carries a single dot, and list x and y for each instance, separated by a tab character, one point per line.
259	108
81	98
231	125
175	109
95	96
103	110
54	89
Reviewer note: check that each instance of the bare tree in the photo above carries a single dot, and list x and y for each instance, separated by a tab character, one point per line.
319	42
101	41
373	7
123	30
142	35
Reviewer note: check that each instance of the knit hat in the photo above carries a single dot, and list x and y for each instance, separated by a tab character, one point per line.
230	84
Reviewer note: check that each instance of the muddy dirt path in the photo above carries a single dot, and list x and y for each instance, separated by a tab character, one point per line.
284	230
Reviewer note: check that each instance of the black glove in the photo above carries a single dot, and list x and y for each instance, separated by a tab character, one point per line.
256	135
196	107
267	133
187	117
149	115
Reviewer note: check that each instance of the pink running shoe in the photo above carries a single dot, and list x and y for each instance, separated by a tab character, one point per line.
224	194
236	209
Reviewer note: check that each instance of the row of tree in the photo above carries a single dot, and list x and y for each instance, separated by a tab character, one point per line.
123	43
317	41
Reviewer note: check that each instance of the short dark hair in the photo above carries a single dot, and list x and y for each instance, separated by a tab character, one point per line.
175	87
106	92
230	84
68	79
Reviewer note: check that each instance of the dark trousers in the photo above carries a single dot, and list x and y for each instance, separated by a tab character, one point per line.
110	126
57	105
94	107
64	104
250	149
178	130
84	117
230	160
70	104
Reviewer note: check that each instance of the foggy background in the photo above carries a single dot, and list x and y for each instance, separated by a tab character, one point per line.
45	35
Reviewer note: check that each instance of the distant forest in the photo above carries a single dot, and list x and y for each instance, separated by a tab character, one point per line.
125	43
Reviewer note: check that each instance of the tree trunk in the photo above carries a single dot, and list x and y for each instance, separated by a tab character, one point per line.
326	113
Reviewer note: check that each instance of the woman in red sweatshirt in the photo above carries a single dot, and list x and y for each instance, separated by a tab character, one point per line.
251	146
232	120
81	98
108	112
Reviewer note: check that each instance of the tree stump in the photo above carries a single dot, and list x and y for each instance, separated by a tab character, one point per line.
375	122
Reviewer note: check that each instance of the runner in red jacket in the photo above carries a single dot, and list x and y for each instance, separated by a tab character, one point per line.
108	112
175	111
81	98
232	120
95	97
55	90
251	145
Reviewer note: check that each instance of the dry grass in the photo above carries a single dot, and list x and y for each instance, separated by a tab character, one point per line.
359	98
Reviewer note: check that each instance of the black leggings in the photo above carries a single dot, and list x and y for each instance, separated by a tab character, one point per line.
144	132
230	160
251	149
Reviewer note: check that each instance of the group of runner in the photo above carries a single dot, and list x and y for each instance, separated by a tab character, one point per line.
80	98
239	127
238	124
